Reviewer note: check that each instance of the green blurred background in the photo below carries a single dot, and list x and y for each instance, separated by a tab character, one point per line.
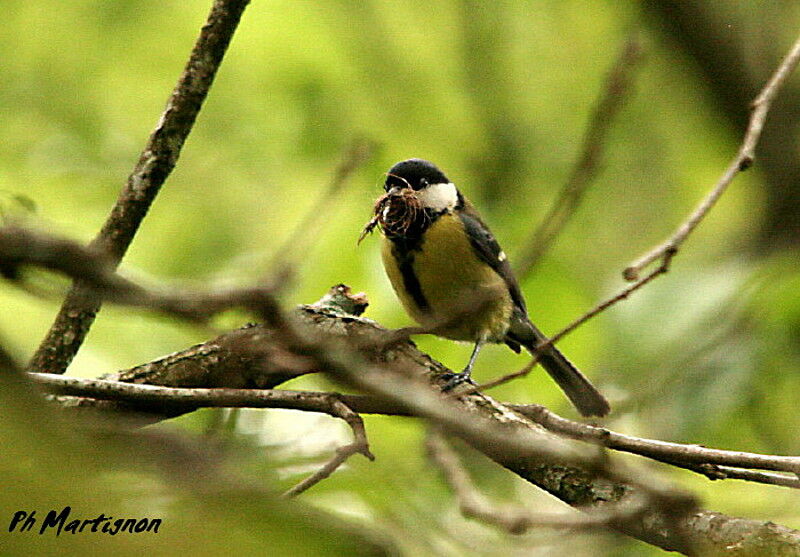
498	95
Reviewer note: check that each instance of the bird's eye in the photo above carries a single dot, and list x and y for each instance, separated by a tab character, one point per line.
423	183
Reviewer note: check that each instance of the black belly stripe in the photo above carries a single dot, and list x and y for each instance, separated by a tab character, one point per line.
403	251
411	283
404	248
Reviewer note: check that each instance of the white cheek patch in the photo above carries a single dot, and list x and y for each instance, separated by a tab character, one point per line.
439	197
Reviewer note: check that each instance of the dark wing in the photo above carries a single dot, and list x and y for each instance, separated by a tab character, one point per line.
489	251
580	391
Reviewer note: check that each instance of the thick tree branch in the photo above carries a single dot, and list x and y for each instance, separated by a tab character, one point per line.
360	353
155	163
557	472
504	436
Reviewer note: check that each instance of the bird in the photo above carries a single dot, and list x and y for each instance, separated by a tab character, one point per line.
452	277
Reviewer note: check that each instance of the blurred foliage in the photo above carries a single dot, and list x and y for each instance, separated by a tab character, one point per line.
498	95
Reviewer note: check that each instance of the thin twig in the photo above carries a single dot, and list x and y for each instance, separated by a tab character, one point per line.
601	307
359	445
615	299
612	98
295	247
168	399
674	453
713	472
157	160
471	501
522	372
23	246
742	161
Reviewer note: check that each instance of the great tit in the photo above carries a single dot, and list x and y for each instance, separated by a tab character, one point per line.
452	277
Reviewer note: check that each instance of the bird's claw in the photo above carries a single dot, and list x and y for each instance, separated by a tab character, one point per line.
453	380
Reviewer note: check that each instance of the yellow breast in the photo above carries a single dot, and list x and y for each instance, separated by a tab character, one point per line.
466	299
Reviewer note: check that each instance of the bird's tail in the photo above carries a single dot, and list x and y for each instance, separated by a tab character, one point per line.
586	398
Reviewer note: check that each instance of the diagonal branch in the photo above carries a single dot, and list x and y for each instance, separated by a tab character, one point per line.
294	248
612	98
157	160
742	161
599	308
574	476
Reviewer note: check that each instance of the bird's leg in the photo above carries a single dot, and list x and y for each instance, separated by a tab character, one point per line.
455	379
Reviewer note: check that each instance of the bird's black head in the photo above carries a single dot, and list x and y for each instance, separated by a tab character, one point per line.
414	173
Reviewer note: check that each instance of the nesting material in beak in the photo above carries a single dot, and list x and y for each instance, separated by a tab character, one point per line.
394	212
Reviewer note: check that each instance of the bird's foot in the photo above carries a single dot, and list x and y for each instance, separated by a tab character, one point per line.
453	380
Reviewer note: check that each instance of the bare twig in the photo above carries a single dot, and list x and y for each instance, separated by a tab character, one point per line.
170	398
295	246
663	268
669	249
612	97
22	246
471	501
155	163
503	379
358	446
713	472
673	453
742	161
601	307
99	280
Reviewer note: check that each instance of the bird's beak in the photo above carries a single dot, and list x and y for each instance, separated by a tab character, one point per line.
394	190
